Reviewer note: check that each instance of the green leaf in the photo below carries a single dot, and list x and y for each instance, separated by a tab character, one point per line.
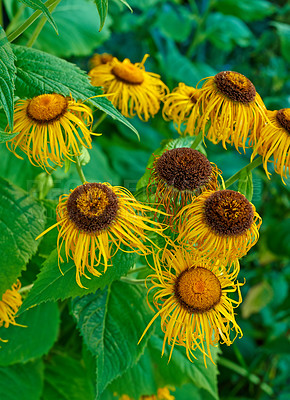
247	10
77	25
7	77
257	298
245	185
21	220
51	284
283	31
4	136
21	381
67	379
111	322
32	340
175	24
180	370
278	238
39	72
102	7
38	5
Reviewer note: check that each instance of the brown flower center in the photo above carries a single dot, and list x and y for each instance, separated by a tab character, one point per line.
128	72
47	107
197	290
183	168
235	86
92	207
228	213
283	117
105	58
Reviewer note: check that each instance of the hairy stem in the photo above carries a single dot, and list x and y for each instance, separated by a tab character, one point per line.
197	141
79	169
254	164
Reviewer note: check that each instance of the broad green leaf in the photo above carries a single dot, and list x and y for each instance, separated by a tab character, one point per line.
67	379
21	381
39	72
247	10
174	24
32	340
7	77
77	22
283	31
22	219
111	323
257	298
245	185
102	7
180	370
51	284
38	5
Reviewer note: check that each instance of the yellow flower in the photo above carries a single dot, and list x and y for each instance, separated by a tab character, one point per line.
230	103
274	140
191	297
9	306
99	59
132	89
180	175
95	220
221	225
178	105
164	394
51	128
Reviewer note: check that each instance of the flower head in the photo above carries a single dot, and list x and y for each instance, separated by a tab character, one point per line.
132	89
191	297
220	224
51	127
9	305
180	175
99	59
178	105
230	103
95	219
274	140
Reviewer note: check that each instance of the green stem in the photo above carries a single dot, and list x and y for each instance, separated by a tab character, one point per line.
254	164
140	269
99	121
243	372
40	25
133	281
1	13
22	28
197	140
79	169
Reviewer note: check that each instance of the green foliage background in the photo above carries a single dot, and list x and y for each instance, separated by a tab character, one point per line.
86	348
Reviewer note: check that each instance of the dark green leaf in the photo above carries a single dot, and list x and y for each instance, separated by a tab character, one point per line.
246	184
102	6
22	219
284	35
51	284
32	340
247	10
39	72
4	136
111	322
38	5
7	77
67	379
278	238
21	381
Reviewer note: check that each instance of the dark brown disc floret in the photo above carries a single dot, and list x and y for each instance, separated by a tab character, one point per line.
184	169
235	86
92	207
228	213
283	117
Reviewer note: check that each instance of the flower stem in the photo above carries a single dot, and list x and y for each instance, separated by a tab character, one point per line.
99	121
79	169
132	271
254	164
197	140
40	25
22	28
1	13
133	281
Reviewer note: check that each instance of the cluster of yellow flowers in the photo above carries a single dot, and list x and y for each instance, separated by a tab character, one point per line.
162	394
212	227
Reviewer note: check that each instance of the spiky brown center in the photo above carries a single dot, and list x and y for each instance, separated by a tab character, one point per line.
197	290
47	107
228	213
92	207
235	86
183	168
283	117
